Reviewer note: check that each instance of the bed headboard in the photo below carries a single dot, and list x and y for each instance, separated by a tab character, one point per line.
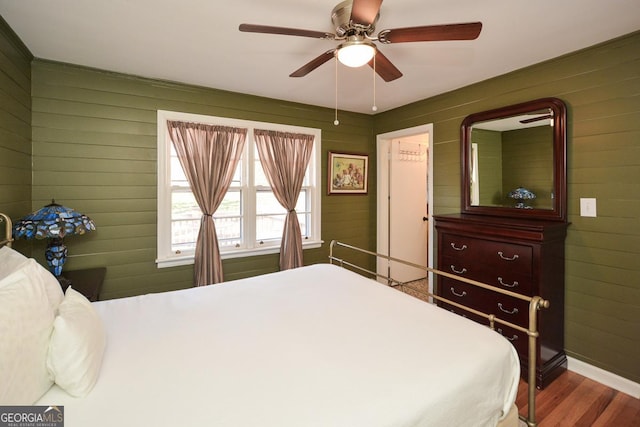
7	235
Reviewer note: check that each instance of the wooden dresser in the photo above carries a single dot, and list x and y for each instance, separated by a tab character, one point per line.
522	255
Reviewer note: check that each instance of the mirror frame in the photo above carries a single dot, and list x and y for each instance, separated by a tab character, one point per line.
559	211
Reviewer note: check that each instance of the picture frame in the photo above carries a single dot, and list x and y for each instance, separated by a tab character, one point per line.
347	173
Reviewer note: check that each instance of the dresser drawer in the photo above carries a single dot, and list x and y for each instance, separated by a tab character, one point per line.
520	340
464	313
486	255
517	338
508	257
509	281
461	247
462	267
505	307
506	279
462	293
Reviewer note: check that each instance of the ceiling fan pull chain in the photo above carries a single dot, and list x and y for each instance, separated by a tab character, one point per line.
374	107
336	122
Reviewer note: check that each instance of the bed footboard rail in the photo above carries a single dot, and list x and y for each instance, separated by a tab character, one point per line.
536	303
8	233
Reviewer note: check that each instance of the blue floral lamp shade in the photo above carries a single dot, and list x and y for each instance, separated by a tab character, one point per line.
521	195
53	222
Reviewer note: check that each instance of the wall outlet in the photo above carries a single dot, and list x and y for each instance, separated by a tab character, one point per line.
588	207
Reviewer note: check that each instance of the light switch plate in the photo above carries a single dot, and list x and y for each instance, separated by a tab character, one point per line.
588	207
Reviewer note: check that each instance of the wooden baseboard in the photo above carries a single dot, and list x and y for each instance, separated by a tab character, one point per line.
604	377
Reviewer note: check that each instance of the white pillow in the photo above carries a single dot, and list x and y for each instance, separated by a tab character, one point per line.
26	322
77	345
11	260
52	286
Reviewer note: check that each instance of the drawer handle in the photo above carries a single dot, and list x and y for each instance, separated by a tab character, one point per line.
513	285
461	294
455	248
514	337
513	258
453	268
514	311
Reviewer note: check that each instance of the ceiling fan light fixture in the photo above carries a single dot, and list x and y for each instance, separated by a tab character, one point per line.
356	53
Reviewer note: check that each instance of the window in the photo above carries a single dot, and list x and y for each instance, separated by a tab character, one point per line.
250	220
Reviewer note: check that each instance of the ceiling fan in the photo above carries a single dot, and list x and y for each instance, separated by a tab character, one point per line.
355	23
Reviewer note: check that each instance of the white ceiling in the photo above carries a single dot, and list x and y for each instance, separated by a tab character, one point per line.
198	42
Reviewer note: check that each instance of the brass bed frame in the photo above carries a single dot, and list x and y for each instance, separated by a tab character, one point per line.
536	303
7	235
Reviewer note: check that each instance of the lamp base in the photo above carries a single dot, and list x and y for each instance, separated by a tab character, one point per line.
56	255
520	204
64	283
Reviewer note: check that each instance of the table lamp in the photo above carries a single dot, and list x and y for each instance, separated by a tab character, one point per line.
520	195
53	222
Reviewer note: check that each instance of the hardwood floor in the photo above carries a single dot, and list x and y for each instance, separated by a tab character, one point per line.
573	400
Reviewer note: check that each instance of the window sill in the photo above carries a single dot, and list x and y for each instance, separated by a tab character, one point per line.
176	261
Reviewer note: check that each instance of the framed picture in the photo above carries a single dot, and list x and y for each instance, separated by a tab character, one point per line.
348	173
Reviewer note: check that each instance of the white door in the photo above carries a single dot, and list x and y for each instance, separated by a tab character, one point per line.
404	196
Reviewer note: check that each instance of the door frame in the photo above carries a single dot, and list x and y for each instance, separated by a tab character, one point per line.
383	142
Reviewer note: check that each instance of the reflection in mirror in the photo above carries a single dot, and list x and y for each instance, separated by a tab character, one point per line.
512	161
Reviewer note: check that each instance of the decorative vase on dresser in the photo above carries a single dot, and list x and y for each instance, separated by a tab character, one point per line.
512	227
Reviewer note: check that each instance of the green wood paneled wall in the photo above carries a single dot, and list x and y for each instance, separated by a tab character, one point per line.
515	158
94	149
15	126
528	162
601	87
489	166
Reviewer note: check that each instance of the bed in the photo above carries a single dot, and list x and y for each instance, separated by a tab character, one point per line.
319	345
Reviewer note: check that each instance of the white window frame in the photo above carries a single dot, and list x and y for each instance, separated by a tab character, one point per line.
165	257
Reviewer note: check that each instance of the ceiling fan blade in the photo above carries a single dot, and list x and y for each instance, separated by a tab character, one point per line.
384	67
428	33
266	29
536	119
365	12
313	64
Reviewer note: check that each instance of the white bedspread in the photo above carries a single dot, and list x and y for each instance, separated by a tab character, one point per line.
315	346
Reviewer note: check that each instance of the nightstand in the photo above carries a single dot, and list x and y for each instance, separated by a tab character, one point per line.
88	282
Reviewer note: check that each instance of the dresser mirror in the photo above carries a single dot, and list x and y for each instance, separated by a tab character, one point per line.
514	161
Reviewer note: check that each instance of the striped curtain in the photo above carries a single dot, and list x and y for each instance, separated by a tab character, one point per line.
284	157
209	156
